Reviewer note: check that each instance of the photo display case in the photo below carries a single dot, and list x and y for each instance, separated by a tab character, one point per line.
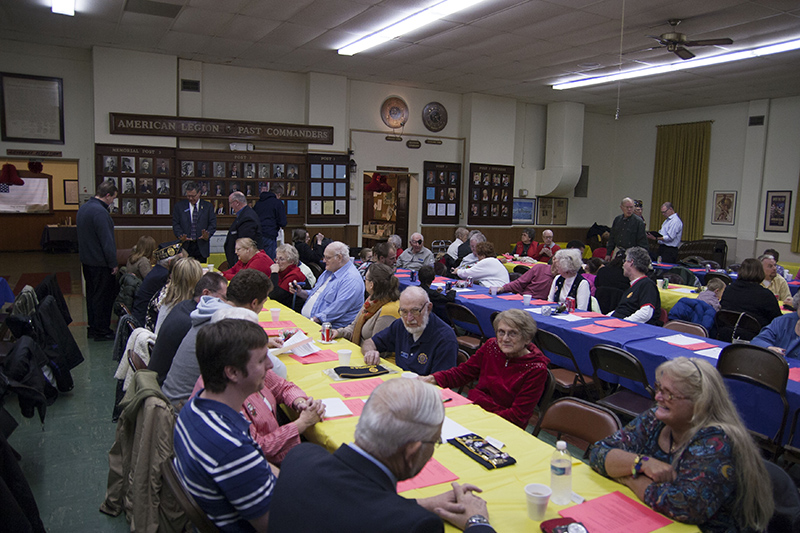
328	189
442	186
491	200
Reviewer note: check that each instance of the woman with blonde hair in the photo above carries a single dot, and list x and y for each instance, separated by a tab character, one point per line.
185	274
141	260
690	457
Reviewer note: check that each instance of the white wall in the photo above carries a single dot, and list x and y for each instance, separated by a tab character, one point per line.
74	66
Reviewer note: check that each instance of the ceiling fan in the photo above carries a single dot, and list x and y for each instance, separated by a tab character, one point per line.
677	42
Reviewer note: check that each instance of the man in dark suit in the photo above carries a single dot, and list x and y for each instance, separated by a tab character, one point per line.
194	236
363	476
246	224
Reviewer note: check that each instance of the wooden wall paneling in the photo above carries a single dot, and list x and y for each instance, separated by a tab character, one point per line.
23	232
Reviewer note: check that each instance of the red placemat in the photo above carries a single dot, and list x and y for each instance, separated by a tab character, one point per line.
476	296
593	329
511	297
697	346
615	323
794	374
434	473
455	399
442	279
322	356
615	512
588	314
357	388
542	302
283	324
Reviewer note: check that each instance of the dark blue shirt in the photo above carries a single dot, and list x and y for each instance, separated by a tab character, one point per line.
436	349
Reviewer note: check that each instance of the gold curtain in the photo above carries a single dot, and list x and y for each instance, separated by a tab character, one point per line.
680	175
796	226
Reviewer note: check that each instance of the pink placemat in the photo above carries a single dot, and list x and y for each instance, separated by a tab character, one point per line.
615	513
698	346
358	388
442	279
588	314
455	399
541	302
281	324
322	356
511	297
434	473
402	275
615	323
356	405
476	296
794	374
277	332
593	329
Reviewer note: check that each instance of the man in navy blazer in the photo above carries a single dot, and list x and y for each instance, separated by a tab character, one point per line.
355	488
246	224
195	244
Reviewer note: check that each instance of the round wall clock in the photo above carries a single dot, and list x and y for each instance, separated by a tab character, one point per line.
434	116
394	112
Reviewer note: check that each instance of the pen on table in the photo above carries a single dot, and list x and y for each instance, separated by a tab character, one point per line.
446	400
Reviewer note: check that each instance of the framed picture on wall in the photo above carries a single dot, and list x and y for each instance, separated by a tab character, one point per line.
724	212
31	108
776	212
552	211
71	192
523	211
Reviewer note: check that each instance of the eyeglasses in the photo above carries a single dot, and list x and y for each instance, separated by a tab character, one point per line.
511	334
435	443
413	312
281	259
416	242
667	395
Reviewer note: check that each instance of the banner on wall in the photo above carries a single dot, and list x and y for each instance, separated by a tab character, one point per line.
33	197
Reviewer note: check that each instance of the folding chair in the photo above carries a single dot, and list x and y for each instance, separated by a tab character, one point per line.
687	327
567	381
194	513
735	325
459	313
625	365
580	419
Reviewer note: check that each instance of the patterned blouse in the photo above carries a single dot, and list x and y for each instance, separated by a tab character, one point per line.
704	491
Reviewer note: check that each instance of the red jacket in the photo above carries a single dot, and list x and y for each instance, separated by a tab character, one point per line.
289	274
534	246
510	388
544	257
260	261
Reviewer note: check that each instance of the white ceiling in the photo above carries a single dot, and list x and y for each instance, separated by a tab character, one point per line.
513	48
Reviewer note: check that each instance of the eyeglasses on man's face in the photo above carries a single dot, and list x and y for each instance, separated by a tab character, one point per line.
415	312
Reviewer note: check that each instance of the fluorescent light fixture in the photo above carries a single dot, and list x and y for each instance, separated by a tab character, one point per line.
408	24
683	65
64	7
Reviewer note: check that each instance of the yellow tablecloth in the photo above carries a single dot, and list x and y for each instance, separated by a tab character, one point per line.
512	264
669	297
502	489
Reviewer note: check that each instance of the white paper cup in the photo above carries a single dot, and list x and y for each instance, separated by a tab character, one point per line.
538	496
344	357
493	291
211	267
276	314
526	299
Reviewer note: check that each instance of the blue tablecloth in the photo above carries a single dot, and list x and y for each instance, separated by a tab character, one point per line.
759	410
6	295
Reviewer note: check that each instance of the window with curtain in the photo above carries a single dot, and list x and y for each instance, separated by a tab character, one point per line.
680	175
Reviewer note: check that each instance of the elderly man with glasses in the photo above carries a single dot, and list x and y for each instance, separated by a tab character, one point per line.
642	302
422	342
416	255
246	224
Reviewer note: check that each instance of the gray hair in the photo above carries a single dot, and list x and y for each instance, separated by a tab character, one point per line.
530	232
568	260
519	320
478	237
339	248
417	292
248	242
796	300
474	232
639	257
239	196
462	233
398	412
396	240
289	251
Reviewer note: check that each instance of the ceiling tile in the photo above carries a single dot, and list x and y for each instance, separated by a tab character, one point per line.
250	29
200	21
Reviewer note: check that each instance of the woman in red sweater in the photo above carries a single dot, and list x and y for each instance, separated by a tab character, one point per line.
249	257
511	371
284	272
527	246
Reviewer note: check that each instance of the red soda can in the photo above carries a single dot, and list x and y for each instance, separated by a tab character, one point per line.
327	332
570	304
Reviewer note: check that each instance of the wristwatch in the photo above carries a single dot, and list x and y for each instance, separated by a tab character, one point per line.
636	469
475	520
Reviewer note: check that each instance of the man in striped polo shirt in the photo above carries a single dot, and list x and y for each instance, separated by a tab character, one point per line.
216	458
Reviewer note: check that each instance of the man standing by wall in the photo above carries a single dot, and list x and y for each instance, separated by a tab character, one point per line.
194	222
245	225
671	233
272	215
627	230
98	255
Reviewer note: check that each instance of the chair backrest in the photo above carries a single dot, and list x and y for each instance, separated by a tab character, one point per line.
459	313
758	366
718	275
735	325
521	269
608	298
550	342
663	316
620	363
462	356
578	418
316	269
187	502
787	502
687	327
439	269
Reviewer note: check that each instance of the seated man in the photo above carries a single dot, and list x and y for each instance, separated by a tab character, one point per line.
642	301
547	249
339	293
385	253
421	341
416	255
355	488
536	281
179	322
218	461
775	283
438	296
155	280
470	259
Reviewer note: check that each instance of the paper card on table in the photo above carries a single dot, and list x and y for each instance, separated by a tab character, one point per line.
588	314
616	512
455	398
615	323
794	374
356	389
434	473
322	356
335	407
568	317
280	324
541	302
298	344
699	346
594	329
714	354
683	290
511	297
679	340
451	429
356	405
463	289
402	275
441	279
477	297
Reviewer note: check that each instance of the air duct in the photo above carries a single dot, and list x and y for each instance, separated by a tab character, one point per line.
563	151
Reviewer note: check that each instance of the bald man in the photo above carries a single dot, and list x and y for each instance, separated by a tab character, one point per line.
627	230
416	255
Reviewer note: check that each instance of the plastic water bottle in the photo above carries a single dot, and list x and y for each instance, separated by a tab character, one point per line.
561	475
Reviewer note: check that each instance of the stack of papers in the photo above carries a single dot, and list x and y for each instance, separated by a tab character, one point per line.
299	344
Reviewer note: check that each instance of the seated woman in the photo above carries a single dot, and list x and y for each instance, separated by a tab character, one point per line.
249	257
308	253
526	246
783	334
569	283
746	294
488	270
590	268
141	260
285	271
380	309
612	275
690	457
438	297
511	371
185	274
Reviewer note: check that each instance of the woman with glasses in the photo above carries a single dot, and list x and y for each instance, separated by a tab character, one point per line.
570	283
511	371
284	272
380	309
690	457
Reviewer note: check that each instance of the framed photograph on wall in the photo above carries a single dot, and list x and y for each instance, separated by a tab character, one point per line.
776	214
31	108
724	212
552	211
71	192
523	211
